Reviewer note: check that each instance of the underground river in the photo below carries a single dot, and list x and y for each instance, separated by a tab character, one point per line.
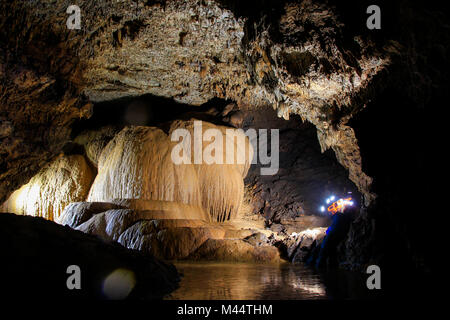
252	281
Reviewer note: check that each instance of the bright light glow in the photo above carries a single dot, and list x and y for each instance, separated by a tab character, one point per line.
340	205
26	200
346	201
332	198
322	209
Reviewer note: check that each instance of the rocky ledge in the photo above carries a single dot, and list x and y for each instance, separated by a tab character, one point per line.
159	229
36	254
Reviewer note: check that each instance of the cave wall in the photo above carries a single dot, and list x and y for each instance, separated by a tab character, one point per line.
400	137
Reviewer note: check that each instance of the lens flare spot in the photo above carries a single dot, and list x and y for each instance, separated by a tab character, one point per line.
118	284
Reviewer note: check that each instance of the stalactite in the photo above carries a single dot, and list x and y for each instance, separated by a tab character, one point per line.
221	185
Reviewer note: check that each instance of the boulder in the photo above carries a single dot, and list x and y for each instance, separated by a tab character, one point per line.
38	253
301	245
257	239
110	224
78	212
168	242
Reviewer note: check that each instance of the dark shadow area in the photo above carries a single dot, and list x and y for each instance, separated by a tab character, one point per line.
399	134
38	253
148	110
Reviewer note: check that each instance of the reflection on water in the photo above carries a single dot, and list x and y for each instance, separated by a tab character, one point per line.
217	281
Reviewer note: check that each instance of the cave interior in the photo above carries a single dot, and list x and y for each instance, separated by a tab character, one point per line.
88	116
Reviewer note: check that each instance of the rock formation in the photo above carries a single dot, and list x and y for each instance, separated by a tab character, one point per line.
138	164
166	230
67	179
220	183
94	141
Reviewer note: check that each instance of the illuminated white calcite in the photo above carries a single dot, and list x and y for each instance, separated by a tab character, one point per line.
138	164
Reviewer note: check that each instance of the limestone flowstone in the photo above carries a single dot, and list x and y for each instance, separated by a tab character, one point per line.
94	141
143	200
67	179
221	185
137	164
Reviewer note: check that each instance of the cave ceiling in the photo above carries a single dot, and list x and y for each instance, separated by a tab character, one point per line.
299	59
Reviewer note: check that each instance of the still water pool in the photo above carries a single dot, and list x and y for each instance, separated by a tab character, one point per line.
284	281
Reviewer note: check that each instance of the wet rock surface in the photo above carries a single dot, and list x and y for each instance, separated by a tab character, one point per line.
234	250
78	212
299	244
171	239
